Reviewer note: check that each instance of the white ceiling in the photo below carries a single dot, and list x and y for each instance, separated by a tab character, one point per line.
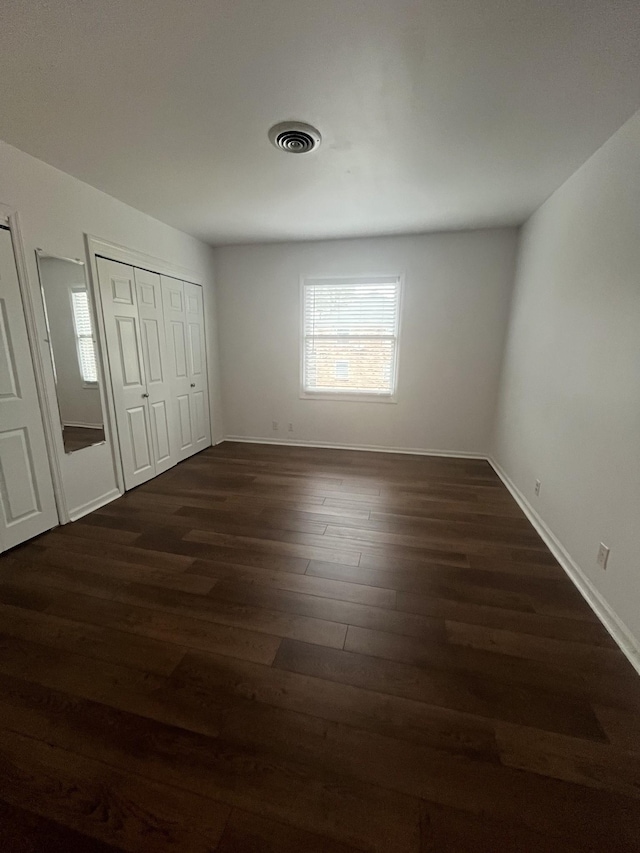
435	114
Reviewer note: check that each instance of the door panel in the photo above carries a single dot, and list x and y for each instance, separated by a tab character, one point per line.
157	370
9	389
196	362
20	499
199	421
27	503
192	300
161	431
151	349
129	349
179	350
178	374
146	289
195	351
176	293
122	288
139	438
184	408
124	346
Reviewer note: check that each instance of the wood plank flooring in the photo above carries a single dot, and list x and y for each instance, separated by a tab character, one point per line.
288	649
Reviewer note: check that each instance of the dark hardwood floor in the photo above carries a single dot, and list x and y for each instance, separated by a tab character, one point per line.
75	438
288	649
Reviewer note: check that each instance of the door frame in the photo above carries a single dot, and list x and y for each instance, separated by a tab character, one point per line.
10	217
98	247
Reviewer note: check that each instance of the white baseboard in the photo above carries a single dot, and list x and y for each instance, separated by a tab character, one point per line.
373	448
85	509
82	425
627	642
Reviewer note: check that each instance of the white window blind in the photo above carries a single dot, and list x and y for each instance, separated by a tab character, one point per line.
350	336
84	335
342	369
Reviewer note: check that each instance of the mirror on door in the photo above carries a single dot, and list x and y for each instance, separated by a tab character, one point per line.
74	355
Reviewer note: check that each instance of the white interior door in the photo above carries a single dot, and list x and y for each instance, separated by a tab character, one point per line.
197	366
155	355
27	502
126	362
175	317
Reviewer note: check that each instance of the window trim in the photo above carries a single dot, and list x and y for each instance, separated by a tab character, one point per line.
349	395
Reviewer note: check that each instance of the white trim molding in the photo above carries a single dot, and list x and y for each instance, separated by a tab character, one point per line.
134	258
627	642
85	509
372	448
83	425
351	396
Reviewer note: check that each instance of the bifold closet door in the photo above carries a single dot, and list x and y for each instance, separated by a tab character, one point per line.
184	322
128	379
154	354
27	501
197	366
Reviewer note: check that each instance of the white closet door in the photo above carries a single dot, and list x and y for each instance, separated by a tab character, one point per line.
27	502
197	366
154	351
175	317
124	346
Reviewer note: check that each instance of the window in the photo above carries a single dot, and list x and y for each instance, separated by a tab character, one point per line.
350	337
85	345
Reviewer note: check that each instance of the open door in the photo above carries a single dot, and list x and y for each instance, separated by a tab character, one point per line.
27	501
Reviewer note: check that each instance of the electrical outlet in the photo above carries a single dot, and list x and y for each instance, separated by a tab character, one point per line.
290	427
537	489
603	556
274	424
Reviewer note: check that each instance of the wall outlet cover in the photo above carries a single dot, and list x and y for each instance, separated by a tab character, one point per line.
603	555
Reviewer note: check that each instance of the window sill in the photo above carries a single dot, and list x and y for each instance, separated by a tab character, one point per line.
349	398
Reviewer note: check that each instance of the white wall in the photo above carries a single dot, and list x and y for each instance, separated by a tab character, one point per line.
569	411
55	211
454	312
79	403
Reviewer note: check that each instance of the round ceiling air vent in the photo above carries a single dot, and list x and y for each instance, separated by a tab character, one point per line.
294	137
